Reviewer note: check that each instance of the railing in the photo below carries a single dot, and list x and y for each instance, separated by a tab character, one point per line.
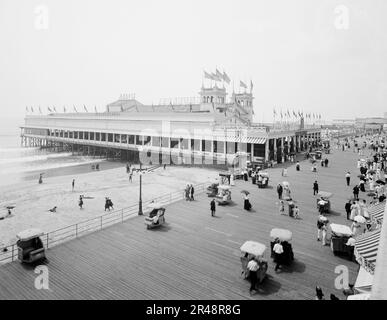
53	238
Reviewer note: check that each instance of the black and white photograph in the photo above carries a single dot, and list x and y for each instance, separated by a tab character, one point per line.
220	151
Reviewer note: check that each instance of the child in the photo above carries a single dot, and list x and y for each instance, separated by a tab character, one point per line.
296	212
281	207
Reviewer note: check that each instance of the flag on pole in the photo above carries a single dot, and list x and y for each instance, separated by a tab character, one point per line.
251	85
32	109
215	77
49	109
55	109
219	74
26	109
242	84
95	108
75	109
84	107
281	114
64	109
208	76
288	113
226	78
40	110
294	114
274	112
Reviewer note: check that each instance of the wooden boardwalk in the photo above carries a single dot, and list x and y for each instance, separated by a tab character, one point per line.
195	256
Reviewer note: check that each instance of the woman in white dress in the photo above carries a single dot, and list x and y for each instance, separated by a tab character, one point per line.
353	211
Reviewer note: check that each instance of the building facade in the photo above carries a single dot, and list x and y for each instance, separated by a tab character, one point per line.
203	130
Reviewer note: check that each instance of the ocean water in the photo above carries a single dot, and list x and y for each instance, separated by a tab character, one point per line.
18	163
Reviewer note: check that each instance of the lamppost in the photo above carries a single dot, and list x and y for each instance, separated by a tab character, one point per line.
140	213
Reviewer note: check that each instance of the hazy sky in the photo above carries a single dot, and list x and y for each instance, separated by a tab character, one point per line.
300	54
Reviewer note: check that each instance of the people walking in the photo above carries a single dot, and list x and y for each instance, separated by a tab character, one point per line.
278	252
192	192
348	206
253	267
73	185
315	188
187	193
319	293
213	207
324	230
296	212
279	191
131	176
298	166
80	203
356	192
281	208
247	204
326	162
348	178
320	223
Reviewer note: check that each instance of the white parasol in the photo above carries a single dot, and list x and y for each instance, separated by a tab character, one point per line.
359	219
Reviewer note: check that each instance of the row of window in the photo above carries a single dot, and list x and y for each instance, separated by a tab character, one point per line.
139	140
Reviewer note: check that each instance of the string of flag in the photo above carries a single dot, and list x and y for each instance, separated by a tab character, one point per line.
54	110
286	114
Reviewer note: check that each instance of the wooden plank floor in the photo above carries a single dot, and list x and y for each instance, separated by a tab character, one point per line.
195	256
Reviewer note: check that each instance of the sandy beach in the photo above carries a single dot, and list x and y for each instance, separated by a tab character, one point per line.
33	201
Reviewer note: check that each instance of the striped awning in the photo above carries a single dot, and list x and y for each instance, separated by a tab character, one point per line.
255	140
377	211
366	249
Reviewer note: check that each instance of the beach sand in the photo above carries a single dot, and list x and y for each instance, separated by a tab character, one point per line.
33	200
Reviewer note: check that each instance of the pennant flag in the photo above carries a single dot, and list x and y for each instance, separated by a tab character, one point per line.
251	85
55	109
281	114
294	114
288	113
274	112
226	78
48	108
319	116
215	77
64	109
208	76
242	84
26	109
84	107
219	74
95	109
75	109
40	110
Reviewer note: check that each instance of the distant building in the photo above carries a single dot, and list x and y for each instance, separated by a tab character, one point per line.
371	124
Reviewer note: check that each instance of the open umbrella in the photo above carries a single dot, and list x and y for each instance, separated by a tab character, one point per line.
359	219
245	192
380	182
